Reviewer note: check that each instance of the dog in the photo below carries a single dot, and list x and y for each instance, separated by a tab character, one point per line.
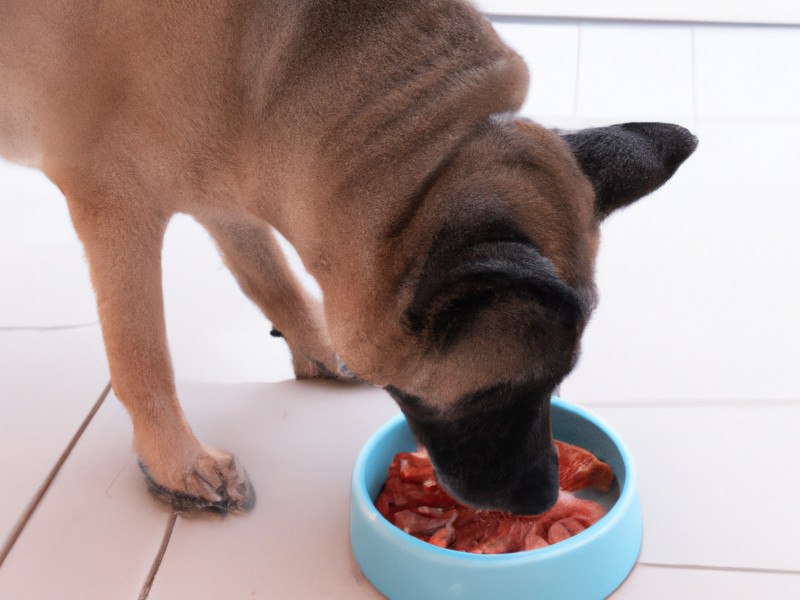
453	242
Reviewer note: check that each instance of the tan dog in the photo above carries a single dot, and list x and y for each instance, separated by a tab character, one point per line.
453	243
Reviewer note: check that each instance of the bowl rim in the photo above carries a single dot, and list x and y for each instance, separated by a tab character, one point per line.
627	498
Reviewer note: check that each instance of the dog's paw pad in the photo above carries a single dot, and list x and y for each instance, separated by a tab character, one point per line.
217	483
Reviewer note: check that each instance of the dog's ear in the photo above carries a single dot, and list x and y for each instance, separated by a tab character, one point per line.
626	162
491	273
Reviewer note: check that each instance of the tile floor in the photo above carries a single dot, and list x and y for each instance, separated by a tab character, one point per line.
691	356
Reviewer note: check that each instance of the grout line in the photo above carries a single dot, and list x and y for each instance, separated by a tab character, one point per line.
576	93
34	504
162	550
722	569
699	403
46	327
695	81
748	118
623	21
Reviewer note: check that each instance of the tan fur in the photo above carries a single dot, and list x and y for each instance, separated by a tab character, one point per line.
313	118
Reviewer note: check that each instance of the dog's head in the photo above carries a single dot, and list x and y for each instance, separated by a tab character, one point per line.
490	315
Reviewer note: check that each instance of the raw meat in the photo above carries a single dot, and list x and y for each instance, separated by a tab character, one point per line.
414	501
579	469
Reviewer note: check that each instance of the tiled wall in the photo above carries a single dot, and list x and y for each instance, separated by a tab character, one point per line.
698	285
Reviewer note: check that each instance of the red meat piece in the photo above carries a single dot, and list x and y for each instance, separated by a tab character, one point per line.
579	469
414	501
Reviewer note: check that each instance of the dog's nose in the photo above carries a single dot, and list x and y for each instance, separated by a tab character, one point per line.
535	491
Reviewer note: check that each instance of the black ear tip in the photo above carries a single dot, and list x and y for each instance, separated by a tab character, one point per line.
626	162
676	143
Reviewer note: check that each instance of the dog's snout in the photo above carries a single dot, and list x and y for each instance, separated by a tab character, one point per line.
496	452
537	490
529	488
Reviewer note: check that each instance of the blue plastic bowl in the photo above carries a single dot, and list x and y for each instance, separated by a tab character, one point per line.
587	566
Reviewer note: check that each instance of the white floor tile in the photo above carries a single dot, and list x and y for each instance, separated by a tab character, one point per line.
698	283
49	381
550	50
655	583
46	286
33	209
299	442
96	532
215	332
44	278
746	71
638	72
716	482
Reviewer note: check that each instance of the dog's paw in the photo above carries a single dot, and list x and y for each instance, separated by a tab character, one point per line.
314	369
216	481
309	368
317	360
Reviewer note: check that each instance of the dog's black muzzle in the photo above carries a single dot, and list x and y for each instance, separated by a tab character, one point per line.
493	449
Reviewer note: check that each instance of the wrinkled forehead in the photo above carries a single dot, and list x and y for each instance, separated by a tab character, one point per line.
554	204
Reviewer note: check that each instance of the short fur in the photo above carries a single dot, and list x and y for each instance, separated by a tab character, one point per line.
454	244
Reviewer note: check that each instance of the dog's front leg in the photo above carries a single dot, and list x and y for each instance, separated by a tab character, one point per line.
123	244
254	257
